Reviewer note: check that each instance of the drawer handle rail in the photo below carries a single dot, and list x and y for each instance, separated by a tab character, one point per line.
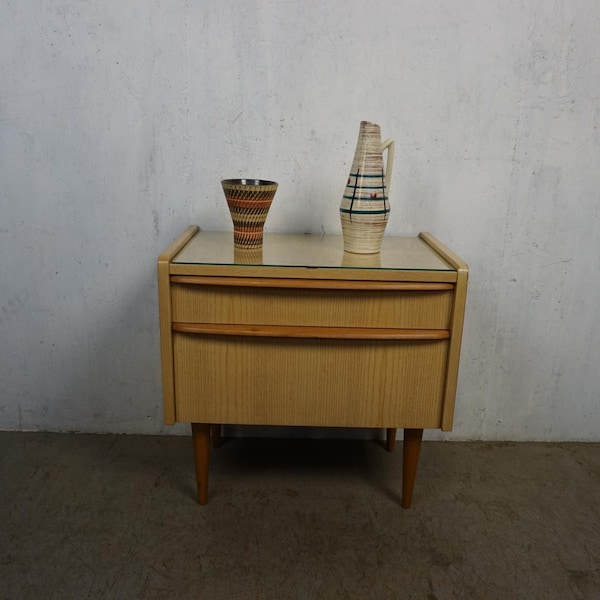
329	284
297	331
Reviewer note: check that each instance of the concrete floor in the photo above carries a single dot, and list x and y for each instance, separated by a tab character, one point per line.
92	516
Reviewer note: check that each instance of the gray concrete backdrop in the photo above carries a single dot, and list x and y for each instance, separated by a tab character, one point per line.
118	119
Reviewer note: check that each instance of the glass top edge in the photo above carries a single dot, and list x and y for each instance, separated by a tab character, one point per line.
310	267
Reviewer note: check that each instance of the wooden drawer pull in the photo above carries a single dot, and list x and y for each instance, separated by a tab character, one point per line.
329	284
331	333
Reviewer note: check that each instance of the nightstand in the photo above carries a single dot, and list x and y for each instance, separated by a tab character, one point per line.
301	333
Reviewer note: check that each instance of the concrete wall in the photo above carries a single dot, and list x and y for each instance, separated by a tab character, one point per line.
118	119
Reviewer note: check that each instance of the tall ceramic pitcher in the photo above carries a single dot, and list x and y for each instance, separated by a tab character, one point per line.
365	206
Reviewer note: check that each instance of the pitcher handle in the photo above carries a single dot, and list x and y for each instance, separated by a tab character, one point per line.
389	146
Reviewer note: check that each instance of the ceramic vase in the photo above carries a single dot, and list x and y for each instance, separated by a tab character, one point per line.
249	201
248	256
365	206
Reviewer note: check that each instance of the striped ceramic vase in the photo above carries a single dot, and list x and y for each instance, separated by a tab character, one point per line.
365	205
249	201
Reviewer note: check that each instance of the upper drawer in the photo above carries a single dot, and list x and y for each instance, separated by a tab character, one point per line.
316	307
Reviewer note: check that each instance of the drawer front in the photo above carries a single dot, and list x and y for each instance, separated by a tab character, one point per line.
317	307
346	383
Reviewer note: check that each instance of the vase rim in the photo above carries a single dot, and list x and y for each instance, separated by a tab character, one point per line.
248	182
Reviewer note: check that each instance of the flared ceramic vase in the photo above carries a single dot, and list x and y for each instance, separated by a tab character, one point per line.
365	205
249	201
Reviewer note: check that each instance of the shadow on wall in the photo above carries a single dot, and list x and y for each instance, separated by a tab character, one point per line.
101	373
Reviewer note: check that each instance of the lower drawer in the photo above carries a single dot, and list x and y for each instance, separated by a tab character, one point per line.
345	383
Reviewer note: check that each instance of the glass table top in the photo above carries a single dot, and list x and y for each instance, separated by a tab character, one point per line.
310	251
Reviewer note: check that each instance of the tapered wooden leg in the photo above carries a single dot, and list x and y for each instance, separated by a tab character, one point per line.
215	435
410	461
390	438
201	441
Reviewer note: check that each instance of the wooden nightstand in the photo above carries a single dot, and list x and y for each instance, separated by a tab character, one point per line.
302	333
